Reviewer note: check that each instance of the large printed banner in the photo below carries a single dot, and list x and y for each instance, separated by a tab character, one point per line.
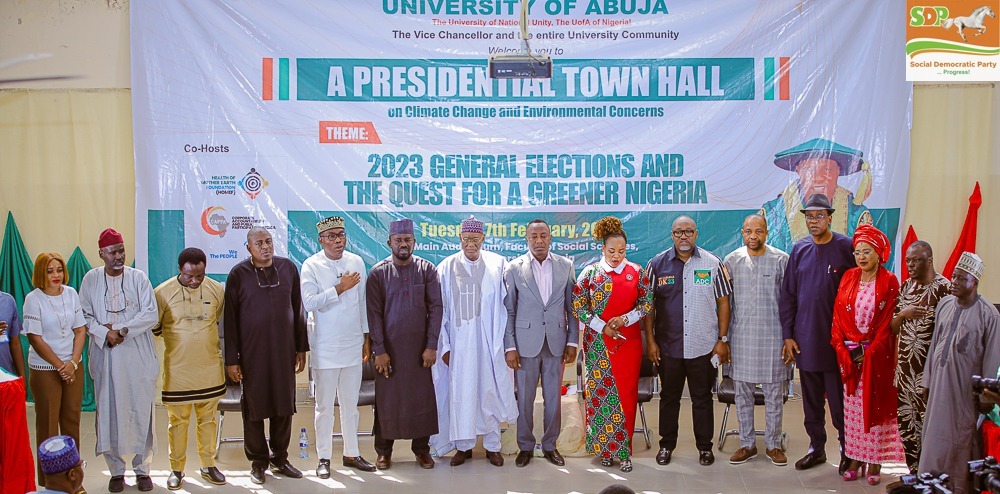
276	114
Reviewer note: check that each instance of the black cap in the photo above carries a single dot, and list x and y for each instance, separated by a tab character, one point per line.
818	202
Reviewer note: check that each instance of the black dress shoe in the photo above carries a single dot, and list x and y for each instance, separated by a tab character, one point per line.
323	469
706	457
663	456
116	484
383	462
554	457
425	461
174	480
845	463
286	469
496	459
358	463
810	460
144	483
523	458
213	475
460	457
257	475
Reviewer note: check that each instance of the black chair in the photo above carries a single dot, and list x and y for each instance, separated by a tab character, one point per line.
231	402
648	384
726	393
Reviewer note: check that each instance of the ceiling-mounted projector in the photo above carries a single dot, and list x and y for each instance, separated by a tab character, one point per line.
520	66
525	65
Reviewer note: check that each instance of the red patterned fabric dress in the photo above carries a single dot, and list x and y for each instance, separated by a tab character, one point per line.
862	312
612	381
17	465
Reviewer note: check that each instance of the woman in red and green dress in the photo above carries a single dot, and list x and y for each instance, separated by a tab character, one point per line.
610	298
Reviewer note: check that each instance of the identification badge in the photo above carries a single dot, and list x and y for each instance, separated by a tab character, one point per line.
703	277
666	280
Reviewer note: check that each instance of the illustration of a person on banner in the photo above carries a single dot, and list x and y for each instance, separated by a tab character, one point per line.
819	163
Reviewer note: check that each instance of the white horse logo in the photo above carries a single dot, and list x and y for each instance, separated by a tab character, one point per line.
974	21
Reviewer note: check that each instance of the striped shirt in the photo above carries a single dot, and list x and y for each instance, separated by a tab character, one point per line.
688	289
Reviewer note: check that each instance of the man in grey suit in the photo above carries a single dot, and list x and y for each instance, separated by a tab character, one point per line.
541	336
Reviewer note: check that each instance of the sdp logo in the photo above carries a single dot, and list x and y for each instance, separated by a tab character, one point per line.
928	16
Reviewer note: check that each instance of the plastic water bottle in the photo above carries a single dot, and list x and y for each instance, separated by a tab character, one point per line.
303	444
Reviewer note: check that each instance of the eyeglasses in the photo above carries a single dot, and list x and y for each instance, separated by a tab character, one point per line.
108	303
472	240
333	236
683	233
863	253
277	277
818	217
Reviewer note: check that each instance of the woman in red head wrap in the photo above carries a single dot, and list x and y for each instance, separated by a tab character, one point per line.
866	354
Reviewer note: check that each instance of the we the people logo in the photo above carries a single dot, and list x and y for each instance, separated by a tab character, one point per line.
952	40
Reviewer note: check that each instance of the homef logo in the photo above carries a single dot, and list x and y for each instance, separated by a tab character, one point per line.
214	222
253	183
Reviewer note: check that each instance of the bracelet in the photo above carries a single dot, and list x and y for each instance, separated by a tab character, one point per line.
75	365
624	320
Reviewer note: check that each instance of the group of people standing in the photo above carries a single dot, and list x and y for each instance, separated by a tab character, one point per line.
478	333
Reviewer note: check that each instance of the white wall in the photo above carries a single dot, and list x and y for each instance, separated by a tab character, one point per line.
88	40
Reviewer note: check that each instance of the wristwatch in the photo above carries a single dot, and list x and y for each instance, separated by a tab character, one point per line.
123	332
724	339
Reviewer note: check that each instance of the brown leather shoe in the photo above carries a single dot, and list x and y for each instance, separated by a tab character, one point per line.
358	463
425	461
743	455
496	459
460	457
554	457
777	456
383	462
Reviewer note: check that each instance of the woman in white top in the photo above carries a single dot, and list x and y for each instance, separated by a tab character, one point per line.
53	321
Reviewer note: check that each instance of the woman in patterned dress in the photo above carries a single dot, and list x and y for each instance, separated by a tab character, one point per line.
866	355
611	297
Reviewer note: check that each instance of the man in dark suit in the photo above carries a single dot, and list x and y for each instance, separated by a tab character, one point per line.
541	336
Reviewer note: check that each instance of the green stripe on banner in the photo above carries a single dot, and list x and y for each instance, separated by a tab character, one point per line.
165	241
769	78
283	79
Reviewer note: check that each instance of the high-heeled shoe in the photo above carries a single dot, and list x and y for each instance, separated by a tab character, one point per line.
606	462
875	478
626	465
852	475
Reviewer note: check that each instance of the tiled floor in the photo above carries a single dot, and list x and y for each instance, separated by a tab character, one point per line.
580	475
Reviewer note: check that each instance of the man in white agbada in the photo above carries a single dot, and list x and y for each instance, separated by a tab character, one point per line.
333	291
472	382
120	309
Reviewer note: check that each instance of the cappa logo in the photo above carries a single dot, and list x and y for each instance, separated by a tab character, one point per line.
928	16
253	183
214	222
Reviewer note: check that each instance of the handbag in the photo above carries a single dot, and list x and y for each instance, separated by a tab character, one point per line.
857	350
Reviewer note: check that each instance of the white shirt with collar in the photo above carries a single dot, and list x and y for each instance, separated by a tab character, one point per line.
542	272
